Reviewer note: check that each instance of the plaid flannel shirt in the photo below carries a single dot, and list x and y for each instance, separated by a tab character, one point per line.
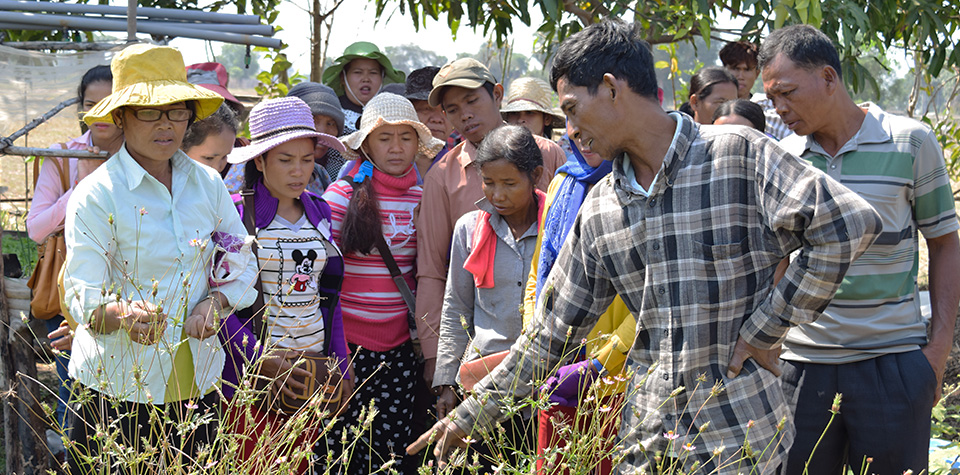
694	263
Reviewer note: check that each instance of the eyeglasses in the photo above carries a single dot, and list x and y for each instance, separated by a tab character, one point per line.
153	115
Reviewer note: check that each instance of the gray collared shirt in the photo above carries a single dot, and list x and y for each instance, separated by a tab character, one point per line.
479	322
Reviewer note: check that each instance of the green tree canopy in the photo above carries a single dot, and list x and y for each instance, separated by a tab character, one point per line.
410	57
926	26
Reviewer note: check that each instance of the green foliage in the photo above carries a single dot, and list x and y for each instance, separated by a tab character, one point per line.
277	81
854	25
234	60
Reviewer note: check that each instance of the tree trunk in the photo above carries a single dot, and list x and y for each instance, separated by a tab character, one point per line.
23	419
316	51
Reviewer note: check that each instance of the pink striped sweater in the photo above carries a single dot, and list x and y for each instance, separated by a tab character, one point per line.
374	313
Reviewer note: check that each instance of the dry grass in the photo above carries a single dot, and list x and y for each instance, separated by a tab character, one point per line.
16	174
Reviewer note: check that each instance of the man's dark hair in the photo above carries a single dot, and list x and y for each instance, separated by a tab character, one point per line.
737	53
805	45
611	46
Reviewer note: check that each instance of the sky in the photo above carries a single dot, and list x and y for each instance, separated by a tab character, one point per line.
354	21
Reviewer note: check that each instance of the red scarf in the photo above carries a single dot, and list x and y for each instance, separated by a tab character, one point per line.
481	258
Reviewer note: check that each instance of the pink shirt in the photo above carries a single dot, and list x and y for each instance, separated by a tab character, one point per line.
374	312
49	206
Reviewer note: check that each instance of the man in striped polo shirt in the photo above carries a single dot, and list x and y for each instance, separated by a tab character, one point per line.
871	344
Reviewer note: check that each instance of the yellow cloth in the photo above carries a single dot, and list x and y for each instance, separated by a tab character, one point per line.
612	336
148	75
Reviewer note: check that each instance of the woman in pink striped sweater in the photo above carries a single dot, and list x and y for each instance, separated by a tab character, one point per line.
377	200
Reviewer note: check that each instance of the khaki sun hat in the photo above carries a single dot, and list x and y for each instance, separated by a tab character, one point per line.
465	72
390	109
532	94
148	75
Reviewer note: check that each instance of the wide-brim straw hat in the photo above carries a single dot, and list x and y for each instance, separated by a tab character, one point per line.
275	121
148	75
390	109
532	94
358	50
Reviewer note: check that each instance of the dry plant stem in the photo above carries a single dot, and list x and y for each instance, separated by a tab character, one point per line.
833	414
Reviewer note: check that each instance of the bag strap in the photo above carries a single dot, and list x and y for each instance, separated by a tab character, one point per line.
64	174
258	305
64	169
392	266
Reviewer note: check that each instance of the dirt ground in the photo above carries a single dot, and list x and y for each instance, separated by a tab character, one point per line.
16	174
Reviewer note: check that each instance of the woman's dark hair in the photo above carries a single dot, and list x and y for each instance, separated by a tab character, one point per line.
512	143
611	46
93	75
744	108
703	81
223	119
250	173
702	84
805	45
362	221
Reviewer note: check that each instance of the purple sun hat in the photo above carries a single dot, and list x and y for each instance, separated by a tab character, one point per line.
275	121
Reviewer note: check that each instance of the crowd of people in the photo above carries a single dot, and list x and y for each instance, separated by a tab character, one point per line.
441	247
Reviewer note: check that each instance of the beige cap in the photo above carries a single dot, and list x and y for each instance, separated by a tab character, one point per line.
465	72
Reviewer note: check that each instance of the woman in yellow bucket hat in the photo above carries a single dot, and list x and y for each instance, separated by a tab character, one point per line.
146	355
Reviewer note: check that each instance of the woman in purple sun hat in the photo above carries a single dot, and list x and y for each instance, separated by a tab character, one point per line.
301	270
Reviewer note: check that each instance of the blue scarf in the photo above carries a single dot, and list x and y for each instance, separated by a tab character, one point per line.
563	211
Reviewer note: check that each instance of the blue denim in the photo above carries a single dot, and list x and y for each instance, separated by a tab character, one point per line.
63	392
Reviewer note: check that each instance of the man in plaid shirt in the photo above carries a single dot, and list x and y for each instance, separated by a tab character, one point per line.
688	229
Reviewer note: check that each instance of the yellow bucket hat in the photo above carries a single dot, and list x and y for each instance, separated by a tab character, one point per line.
148	75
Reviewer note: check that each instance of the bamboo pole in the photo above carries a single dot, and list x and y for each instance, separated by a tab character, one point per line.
132	21
51	152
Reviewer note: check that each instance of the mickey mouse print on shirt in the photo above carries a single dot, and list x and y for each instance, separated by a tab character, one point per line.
303	279
292	260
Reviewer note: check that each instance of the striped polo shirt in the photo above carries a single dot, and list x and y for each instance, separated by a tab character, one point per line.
374	312
896	164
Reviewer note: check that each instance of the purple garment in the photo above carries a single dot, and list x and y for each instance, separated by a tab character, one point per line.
235	330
